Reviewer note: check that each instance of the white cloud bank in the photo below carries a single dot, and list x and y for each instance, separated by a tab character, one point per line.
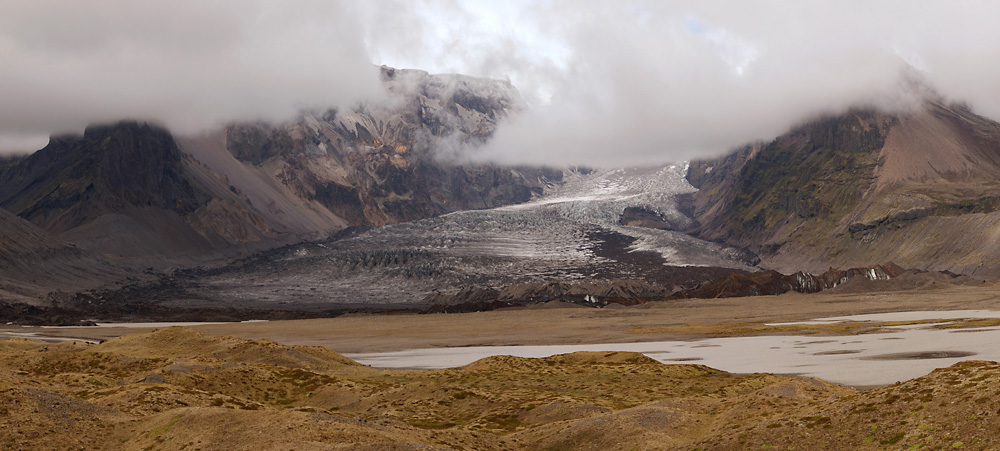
621	82
611	82
188	64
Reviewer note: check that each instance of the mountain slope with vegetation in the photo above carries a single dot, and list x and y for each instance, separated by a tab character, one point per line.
919	188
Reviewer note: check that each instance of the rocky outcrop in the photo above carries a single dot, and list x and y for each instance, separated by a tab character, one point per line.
645	217
594	294
770	282
76	179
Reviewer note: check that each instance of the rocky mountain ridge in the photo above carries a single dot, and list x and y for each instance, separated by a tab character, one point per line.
125	190
384	162
134	197
136	193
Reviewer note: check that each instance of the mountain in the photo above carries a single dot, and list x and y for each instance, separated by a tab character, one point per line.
918	188
379	206
134	195
135	190
124	189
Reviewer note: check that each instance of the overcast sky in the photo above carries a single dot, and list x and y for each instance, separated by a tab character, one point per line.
610	82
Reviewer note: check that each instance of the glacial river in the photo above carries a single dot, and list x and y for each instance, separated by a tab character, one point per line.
866	360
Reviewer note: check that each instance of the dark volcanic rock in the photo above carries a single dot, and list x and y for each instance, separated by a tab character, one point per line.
255	143
33	263
126	189
109	169
772	282
644	217
593	294
814	173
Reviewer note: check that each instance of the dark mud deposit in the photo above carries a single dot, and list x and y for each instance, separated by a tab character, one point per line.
925	355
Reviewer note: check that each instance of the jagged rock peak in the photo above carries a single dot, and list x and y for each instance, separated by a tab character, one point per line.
491	97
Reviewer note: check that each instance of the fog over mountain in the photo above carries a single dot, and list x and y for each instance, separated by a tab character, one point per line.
609	83
189	65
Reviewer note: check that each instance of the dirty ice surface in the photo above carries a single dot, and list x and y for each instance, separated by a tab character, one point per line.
555	237
598	198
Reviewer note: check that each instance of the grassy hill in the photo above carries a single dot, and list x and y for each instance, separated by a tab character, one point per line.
179	389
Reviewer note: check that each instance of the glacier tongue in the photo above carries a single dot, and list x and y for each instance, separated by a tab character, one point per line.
599	198
571	233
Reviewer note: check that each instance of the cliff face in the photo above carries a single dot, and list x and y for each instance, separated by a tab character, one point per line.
122	189
74	180
918	188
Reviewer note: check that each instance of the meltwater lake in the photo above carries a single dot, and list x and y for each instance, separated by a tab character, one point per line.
899	353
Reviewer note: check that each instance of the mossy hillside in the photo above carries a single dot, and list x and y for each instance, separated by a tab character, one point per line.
951	408
174	387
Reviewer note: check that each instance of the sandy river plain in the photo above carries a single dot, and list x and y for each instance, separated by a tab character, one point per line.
562	324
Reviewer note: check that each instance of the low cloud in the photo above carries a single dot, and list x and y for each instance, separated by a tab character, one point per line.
647	81
608	82
187	64
661	81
